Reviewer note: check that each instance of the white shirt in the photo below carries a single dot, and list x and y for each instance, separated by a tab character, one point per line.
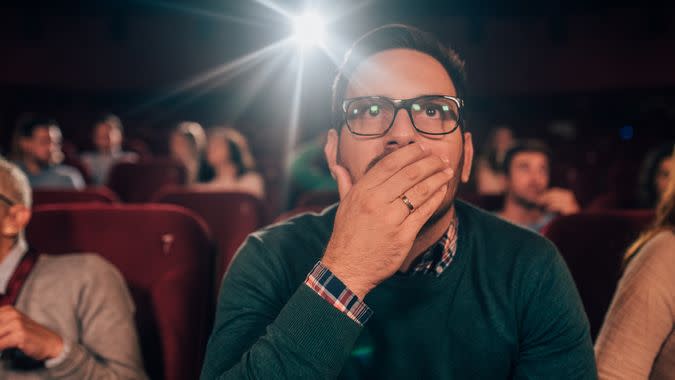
11	261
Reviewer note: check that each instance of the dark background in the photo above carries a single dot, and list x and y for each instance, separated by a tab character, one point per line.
595	79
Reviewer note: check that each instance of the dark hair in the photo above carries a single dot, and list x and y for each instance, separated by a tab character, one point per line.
110	119
647	193
26	126
240	154
395	36
526	146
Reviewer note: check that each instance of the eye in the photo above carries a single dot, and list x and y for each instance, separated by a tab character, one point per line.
431	110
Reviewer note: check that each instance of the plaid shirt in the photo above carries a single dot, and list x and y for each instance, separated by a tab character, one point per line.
432	262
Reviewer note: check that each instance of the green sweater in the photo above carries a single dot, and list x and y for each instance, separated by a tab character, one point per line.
505	308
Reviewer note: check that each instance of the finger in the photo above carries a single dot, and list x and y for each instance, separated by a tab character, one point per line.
417	219
343	179
8	341
419	194
411	176
393	162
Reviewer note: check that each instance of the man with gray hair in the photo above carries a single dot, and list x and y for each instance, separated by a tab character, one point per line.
61	317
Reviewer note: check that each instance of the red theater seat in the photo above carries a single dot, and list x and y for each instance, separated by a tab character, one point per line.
593	245
231	217
88	195
137	181
165	255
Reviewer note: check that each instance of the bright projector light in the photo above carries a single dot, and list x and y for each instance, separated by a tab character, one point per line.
308	29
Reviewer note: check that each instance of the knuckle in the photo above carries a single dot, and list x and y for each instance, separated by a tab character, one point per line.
411	172
422	189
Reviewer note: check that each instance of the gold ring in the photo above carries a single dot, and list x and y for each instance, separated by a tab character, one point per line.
408	204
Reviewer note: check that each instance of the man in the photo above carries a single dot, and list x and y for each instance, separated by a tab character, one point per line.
39	155
107	137
529	201
61	317
400	281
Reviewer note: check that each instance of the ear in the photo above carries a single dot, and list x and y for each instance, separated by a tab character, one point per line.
331	150
468	157
16	220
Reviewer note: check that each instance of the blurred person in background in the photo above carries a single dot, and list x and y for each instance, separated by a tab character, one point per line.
107	137
637	339
657	167
187	144
230	157
309	172
37	151
529	201
490	177
61	317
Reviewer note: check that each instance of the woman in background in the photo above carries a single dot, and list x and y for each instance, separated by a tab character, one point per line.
637	340
229	155
490	177
187	145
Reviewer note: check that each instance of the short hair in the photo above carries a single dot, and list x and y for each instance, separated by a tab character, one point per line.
110	119
26	126
526	146
14	183
388	37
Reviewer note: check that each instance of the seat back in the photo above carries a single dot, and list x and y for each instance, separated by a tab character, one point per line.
231	217
136	182
87	195
164	253
593	245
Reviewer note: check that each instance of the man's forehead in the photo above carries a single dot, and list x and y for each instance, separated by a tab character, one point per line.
531	157
401	74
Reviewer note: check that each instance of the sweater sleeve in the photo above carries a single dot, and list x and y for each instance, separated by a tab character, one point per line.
640	318
554	337
108	344
261	333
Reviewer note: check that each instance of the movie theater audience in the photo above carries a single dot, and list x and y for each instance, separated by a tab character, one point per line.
107	137
490	177
529	201
637	340
37	151
231	159
187	144
61	317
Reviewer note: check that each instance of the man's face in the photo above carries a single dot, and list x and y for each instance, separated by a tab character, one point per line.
107	138
44	146
528	177
402	74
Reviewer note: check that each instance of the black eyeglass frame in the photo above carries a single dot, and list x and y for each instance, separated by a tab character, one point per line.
399	104
7	200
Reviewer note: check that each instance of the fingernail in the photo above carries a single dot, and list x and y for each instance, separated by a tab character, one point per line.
445	160
449	171
423	147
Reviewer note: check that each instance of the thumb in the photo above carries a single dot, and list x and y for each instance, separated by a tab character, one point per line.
343	179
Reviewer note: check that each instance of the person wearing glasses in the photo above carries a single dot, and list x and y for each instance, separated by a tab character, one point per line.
529	200
399	280
61	317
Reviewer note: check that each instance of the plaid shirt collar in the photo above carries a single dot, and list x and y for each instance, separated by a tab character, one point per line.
439	256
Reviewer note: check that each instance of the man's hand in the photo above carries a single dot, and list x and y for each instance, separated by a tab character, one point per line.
20	332
374	229
560	201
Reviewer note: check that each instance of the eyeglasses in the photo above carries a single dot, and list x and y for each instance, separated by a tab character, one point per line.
429	114
7	200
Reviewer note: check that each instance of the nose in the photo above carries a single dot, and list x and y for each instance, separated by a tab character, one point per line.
402	132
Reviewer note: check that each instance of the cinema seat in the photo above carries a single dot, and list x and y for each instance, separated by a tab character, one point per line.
88	195
165	255
136	182
231	216
593	245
